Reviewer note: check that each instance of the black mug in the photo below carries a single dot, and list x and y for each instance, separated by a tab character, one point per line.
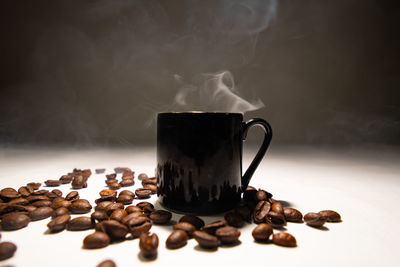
199	160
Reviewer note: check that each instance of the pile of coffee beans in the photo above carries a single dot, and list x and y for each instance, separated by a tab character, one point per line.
115	219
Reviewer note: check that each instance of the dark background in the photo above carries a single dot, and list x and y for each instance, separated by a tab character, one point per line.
97	72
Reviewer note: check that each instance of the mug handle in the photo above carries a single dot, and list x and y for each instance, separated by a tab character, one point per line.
261	152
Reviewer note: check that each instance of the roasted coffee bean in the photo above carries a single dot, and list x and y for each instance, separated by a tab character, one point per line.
114	229
23	190
330	215
111	181
284	239
118	214
142	176
113	206
80	223
42	203
111	176
138	225
40	192
205	240
9	193
53	183
275	219
176	239
148	245
58	192
125	199
99	216
261	195
80	206
212	227
107	263
5	208
144	204
98	171
127	176
33	198
260	211
151	187
152	181
314	219
96	240
51	195
27	208
102	205
34	185
142	193
60	211
194	220
66	179
228	234
18	201
7	250
114	186
14	221
185	226
41	213
293	215
243	211
121	169
106	193
127	182
234	219
59	223
160	216
262	232
57	199
132	208
128	217
71	196
78	182
277	207
127	192
60	204
86	173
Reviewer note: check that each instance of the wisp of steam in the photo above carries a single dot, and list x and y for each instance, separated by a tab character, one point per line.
214	92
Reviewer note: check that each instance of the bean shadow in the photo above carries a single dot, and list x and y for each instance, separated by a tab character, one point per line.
146	259
210	250
321	228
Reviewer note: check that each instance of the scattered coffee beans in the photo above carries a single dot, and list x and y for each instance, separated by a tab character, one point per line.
107	263
80	206
330	215
96	240
234	219
80	223
314	219
14	221
185	226
148	245
114	229
98	171
261	211
59	223
262	232
142	193
205	240
228	234
212	227
275	219
176	239
160	216
53	183
292	215
7	250
194	220
142	176
284	239
41	213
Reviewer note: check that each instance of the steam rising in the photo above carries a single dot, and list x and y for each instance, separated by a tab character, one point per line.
214	92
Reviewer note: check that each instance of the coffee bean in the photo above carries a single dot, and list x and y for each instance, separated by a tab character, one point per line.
27	208
125	199
205	240
261	195
66	179
78	182
96	240
132	208
111	176
41	213
99	216
60	211
114	229
57	199
51	195
35	186
212	227
42	203
111	181
18	201
243	211
330	215
108	193
71	196
113	206
142	176
127	192
53	183
160	216
176	239
138	225
128	217
59	223
98	171
14	221
107	263
102	205
142	193
57	192
114	186
80	206
284	239
127	182
314	219
260	211
293	215
262	232
121	169
60	204
151	187
228	234
194	220
185	226
145	205
9	193
152	181
148	245
118	214
234	219
7	250
80	223
276	220
23	190
277	207
40	192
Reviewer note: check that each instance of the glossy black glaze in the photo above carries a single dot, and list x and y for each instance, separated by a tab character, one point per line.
199	158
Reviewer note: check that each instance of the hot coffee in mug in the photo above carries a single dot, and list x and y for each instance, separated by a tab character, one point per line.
199	160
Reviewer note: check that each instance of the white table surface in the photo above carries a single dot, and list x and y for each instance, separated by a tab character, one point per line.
363	186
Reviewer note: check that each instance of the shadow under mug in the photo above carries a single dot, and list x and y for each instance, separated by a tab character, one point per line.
199	160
